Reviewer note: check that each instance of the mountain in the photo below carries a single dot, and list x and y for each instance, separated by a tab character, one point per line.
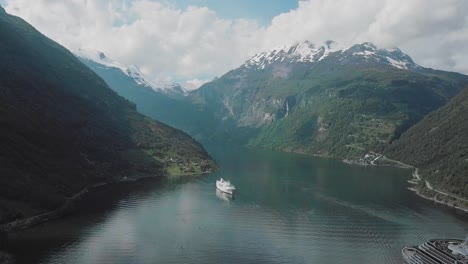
324	101
320	100
304	98
99	62
438	146
306	52
63	129
167	103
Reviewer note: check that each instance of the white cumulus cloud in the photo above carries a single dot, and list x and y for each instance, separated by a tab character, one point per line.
192	43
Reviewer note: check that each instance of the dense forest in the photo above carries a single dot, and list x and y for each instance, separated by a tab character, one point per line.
438	146
63	128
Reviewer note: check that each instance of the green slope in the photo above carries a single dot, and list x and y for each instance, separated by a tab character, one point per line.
438	146
341	106
62	128
171	109
329	109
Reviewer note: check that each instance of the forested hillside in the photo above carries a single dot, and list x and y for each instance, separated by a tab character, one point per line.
316	100
304	98
438	146
62	128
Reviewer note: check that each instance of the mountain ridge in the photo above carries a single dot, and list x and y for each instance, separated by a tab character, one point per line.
341	105
63	128
307	52
132	71
298	104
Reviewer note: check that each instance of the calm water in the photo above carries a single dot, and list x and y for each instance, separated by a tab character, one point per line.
289	209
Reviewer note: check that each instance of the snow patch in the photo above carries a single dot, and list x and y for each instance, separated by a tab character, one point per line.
306	52
393	50
397	63
366	54
299	52
131	70
99	57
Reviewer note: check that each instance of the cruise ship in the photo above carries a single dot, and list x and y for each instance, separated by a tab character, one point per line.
438	251
225	186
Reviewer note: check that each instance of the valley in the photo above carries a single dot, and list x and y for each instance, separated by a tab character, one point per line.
315	100
113	153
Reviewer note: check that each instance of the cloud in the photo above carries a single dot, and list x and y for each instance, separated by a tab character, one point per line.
433	32
193	84
162	40
193	43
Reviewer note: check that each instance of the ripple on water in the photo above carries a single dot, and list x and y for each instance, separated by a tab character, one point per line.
289	209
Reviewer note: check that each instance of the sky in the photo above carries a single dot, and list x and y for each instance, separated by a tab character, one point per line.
260	10
193	41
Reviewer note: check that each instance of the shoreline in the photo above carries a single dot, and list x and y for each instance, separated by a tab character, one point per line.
31	221
417	179
67	206
438	202
377	159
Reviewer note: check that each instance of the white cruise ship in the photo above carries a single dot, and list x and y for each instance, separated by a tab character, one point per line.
225	186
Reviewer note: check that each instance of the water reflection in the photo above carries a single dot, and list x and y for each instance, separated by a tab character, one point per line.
224	196
292	209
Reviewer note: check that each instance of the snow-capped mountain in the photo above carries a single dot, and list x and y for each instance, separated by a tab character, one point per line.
131	71
308	53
